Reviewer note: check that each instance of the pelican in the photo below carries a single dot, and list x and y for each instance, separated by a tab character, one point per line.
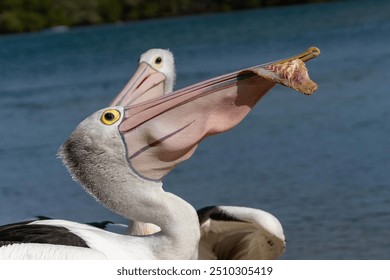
121	153
227	232
158	66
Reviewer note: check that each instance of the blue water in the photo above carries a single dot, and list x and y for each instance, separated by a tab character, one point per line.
319	163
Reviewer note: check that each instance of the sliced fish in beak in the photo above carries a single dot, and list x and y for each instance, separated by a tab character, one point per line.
164	131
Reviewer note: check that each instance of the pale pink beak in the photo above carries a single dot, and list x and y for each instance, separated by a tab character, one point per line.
166	129
146	83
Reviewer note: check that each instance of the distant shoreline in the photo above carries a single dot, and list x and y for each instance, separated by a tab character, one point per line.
35	15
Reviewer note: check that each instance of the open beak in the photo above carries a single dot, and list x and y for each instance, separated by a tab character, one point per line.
146	83
166	129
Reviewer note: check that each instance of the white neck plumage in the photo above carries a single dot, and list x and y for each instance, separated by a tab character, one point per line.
99	164
149	203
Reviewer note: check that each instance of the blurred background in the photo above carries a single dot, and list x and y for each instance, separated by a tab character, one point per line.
319	163
33	15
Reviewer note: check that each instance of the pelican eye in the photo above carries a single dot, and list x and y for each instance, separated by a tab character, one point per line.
110	116
158	60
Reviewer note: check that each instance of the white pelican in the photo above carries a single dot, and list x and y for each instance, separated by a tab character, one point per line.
152	64
227	232
120	155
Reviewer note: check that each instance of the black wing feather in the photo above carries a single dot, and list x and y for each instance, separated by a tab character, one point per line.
25	232
215	213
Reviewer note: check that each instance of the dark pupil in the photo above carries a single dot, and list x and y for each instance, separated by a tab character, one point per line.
109	116
158	60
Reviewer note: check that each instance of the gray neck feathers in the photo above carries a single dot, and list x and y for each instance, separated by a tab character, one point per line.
98	162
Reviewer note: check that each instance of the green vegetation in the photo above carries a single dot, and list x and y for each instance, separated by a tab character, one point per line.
33	15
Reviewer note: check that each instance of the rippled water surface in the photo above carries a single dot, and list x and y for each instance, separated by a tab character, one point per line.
319	163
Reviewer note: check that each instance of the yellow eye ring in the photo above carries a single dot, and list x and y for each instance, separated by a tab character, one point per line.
110	116
158	62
